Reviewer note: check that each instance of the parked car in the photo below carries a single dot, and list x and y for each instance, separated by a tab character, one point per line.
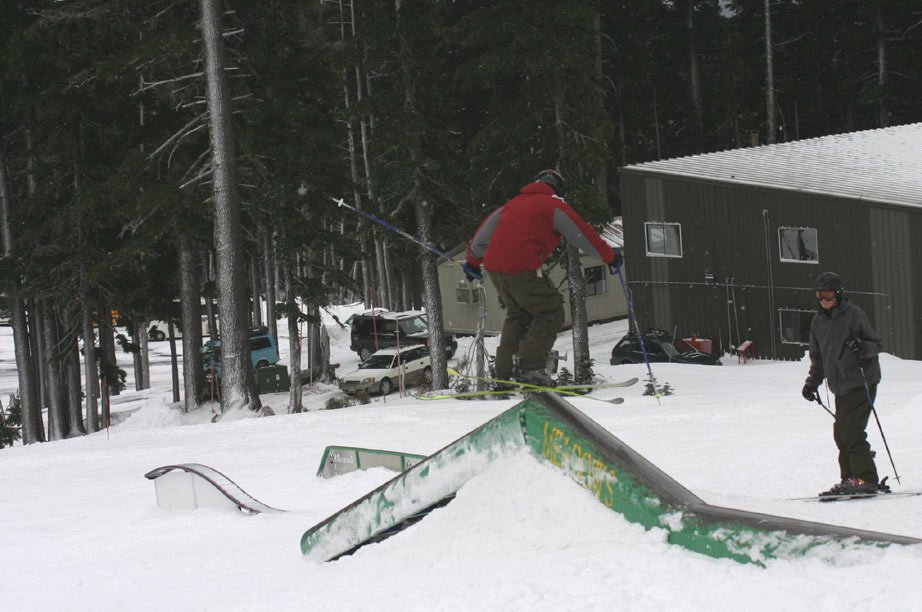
381	372
158	331
373	331
661	347
263	351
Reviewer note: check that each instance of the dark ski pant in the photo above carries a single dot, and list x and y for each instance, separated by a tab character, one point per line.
852	414
534	315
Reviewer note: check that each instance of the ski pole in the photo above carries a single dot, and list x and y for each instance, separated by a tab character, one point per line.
410	237
867	391
819	400
643	347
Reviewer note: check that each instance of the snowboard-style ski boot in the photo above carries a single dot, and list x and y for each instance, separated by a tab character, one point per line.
536	377
853	486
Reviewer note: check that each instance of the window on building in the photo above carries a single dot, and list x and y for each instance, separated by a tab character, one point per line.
663	239
798	244
595	280
795	325
466	293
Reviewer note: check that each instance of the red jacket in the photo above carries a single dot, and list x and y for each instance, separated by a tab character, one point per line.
520	235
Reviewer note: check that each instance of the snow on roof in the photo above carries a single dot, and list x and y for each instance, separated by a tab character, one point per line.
882	165
403	314
613	233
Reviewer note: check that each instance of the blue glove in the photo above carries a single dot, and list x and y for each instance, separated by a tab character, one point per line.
615	265
855	344
472	273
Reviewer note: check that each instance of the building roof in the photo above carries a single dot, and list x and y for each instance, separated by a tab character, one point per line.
613	233
883	165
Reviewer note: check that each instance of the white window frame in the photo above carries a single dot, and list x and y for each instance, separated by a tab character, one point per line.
646	236
602	284
800	261
781	312
470	292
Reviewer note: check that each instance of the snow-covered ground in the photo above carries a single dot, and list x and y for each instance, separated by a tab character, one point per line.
81	529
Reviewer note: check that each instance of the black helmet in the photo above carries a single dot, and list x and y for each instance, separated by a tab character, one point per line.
552	178
828	281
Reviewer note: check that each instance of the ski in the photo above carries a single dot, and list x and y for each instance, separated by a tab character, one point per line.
604	385
567	390
851	496
472	394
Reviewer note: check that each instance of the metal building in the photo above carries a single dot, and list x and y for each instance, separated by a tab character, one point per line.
727	245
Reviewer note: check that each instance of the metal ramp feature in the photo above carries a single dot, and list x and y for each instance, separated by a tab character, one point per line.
339	460
188	486
617	476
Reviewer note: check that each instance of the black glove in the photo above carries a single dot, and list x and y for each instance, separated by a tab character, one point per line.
810	393
472	273
854	344
615	264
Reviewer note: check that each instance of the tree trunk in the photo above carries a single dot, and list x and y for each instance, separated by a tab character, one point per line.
382	297
269	277
257	316
57	418
406	294
391	275
189	291
110	359
577	284
367	284
883	109
582	366
314	361
769	76
294	347
106	356
32	427
238	386
90	369
432	298
213	330
144	350
38	349
694	77
136	357
75	425
174	365
599	74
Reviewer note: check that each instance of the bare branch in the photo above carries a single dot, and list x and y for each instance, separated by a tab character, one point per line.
145	86
198	119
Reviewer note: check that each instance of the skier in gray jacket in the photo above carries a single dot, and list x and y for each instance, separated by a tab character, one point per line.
843	351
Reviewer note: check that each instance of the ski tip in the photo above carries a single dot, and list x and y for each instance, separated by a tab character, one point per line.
617	400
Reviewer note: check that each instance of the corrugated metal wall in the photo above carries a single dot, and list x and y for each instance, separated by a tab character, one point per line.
891	241
731	232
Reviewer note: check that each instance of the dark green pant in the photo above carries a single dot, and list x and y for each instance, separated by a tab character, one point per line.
852	414
534	315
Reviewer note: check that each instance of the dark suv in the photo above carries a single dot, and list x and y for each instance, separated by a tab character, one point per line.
661	347
371	331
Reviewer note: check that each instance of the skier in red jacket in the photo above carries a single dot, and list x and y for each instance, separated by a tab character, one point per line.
512	244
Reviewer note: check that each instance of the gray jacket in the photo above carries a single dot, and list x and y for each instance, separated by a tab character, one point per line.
831	360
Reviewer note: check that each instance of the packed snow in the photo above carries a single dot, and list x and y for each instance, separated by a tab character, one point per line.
82	530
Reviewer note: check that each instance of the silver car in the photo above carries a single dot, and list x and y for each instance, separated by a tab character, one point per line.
383	371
